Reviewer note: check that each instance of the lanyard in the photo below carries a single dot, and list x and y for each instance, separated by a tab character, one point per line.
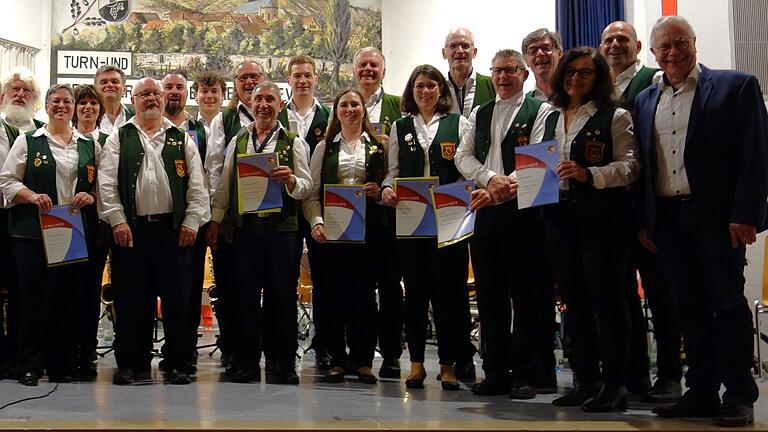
259	147
246	113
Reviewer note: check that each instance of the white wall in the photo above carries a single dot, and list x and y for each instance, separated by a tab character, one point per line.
413	33
28	22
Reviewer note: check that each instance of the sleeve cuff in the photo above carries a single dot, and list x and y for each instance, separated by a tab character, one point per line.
485	177
598	180
117	219
217	214
190	223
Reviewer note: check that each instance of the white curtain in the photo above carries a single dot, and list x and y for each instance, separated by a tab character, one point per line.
13	54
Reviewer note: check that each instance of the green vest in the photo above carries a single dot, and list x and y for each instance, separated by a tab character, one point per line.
102	139
38	123
196	131
441	151
518	134
129	112
286	219
592	147
484	91
316	131
174	162
375	171
231	120
390	112
11	131
40	177
642	79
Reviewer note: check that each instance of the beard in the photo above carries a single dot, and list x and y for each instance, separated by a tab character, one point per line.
16	115
173	108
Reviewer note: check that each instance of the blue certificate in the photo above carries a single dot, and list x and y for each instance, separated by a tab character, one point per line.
344	213
63	235
257	192
415	211
455	221
537	181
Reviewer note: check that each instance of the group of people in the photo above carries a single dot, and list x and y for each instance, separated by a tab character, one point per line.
662	172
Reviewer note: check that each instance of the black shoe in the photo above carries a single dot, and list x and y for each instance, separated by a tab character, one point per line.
390	368
689	405
664	390
246	375
63	377
86	372
731	414
270	366
415	383
522	391
165	366
29	378
322	360
450	385
465	371
334	377
124	377
546	382
226	359
610	398
142	375
577	395
177	377
490	387
366	378
639	386
287	373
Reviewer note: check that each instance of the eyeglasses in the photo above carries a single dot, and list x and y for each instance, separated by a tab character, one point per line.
65	102
680	44
425	86
456	45
146	95
546	48
21	89
243	77
509	70
583	73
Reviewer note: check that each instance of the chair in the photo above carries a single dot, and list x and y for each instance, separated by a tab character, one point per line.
761	307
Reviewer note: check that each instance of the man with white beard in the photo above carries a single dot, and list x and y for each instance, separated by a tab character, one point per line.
21	99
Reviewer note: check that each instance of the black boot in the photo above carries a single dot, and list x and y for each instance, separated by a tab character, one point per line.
577	395
611	397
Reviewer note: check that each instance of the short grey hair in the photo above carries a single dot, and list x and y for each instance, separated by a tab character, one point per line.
367	50
667	21
267	85
237	66
108	68
510	53
541	34
56	88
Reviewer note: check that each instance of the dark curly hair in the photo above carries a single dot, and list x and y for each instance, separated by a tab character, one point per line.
602	85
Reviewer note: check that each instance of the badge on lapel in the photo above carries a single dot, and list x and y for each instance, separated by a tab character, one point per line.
91	173
448	150
181	167
593	153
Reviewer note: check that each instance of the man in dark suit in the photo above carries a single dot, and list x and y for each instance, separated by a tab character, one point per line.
702	136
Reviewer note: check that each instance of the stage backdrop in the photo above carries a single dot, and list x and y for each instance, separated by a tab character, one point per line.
151	37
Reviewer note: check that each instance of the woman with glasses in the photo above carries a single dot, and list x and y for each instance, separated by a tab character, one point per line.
586	231
53	165
423	144
349	155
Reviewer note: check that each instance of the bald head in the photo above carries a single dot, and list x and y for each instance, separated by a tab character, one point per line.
148	99
460	31
619	46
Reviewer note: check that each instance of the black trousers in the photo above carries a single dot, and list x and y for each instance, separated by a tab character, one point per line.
266	261
438	276
224	268
388	275
706	275
545	362
193	283
316	267
152	267
9	315
88	301
350	286
48	324
588	256
666	325
506	253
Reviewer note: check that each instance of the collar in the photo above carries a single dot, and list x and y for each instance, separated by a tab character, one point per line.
292	106
376	97
470	78
434	117
76	135
251	126
183	124
691	80
517	98
630	72
589	107
166	124
339	137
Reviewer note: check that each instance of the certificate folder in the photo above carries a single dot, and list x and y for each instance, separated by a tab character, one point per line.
63	235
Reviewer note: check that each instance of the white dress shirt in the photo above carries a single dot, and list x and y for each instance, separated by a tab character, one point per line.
351	171
469	94
299	124
373	106
217	145
537	93
65	155
623	79
504	113
669	133
107	126
425	134
624	168
153	192
300	151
